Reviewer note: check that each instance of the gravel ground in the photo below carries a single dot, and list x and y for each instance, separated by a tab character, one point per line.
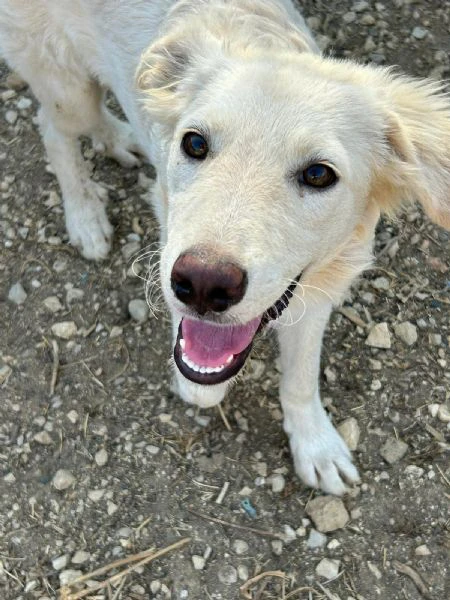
100	461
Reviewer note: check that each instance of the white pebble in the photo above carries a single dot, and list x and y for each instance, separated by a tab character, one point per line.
240	546
379	336
407	332
63	479
227	574
138	310
349	430
101	457
42	437
316	539
69	575
80	557
328	568
53	304
198	562
60	562
65	329
17	294
278	483
422	550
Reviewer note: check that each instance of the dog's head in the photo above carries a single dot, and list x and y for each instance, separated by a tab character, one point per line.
274	168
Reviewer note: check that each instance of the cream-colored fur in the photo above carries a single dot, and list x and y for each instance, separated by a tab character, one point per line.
249	73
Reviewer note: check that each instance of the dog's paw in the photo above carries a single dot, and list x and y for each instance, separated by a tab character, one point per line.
88	225
117	140
321	457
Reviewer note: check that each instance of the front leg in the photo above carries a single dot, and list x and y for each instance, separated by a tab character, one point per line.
320	455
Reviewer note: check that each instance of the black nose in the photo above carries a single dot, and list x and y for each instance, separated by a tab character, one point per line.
207	282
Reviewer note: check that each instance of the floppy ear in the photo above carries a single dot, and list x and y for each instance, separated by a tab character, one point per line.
173	69
417	130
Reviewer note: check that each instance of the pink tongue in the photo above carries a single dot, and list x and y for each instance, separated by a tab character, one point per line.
210	345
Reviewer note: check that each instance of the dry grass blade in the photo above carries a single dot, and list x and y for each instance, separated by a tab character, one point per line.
244	589
302	589
55	367
262	532
143	557
415	577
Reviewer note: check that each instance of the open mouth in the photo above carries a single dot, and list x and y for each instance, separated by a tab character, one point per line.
208	353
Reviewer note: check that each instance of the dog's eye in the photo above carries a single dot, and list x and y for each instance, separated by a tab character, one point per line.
194	145
318	176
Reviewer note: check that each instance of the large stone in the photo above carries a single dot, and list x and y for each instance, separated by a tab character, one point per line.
349	431
407	332
393	450
64	330
328	513
328	568
379	336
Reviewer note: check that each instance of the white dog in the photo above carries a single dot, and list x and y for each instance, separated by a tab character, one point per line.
273	166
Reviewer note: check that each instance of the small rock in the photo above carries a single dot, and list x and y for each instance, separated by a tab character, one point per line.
422	550
240	546
11	116
328	568
72	415
375	570
333	544
278	483
316	539
227	574
80	557
60	562
96	495
63	479
328	513
42	437
65	329
419	33
243	572
9	478
289	534
393	450
379	336
277	547
381	283
414	471
443	413
115	332
131	249
74	295
53	304
5	372
155	586
69	575
407	332
349	431
101	457
198	562
138	310
17	294
111	507
433	409
24	103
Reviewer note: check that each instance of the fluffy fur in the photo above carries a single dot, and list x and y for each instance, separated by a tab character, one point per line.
248	74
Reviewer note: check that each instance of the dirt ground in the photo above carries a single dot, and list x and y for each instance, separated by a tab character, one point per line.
142	469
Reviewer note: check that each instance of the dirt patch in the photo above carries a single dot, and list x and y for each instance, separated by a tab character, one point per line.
143	469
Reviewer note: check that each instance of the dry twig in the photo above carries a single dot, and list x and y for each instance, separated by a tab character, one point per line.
415	577
262	532
143	557
248	584
55	367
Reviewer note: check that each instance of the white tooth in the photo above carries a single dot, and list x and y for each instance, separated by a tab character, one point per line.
209	370
218	369
182	344
202	369
229	359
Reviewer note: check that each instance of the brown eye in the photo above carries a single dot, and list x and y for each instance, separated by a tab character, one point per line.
194	145
318	176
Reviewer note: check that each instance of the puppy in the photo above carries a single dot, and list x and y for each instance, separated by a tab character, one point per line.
273	165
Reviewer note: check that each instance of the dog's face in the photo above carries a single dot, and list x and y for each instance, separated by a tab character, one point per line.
271	169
